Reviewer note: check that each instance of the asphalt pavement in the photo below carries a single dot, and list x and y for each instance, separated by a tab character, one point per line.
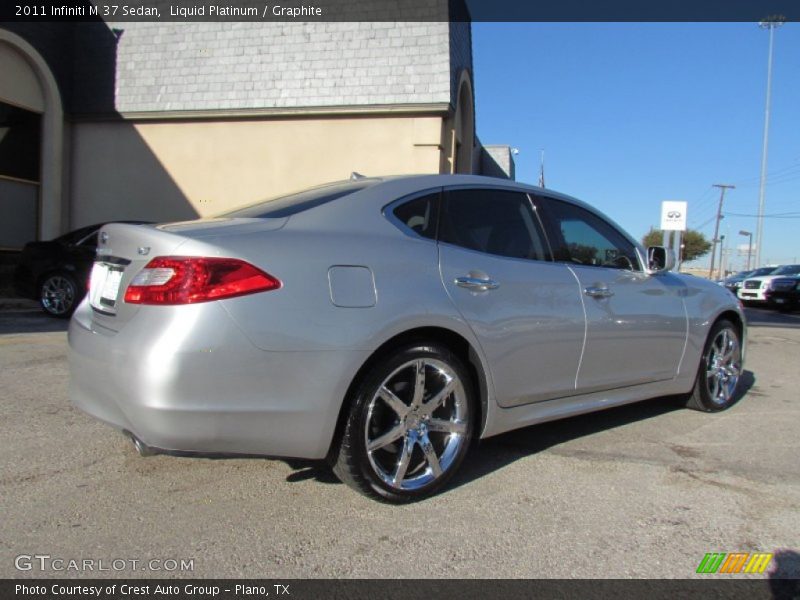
639	491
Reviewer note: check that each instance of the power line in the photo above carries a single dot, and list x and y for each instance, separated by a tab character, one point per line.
794	215
789	169
782	178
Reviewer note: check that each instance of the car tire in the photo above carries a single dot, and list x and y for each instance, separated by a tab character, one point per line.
409	426
719	371
59	295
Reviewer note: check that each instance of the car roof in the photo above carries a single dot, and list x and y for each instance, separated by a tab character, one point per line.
398	186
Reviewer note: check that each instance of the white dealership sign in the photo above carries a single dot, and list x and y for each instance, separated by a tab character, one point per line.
673	215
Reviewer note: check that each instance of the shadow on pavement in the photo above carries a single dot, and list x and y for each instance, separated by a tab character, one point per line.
764	317
500	451
29	321
784	575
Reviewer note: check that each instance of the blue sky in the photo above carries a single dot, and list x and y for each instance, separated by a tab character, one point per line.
633	114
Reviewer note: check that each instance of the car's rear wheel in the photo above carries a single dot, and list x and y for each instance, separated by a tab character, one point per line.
720	369
410	425
58	294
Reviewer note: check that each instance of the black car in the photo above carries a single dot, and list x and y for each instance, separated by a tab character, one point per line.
784	294
56	273
734	282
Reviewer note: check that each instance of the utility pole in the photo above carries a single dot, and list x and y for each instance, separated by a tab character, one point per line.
541	170
771	23
722	187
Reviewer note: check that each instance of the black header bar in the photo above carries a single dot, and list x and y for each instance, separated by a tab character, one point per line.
401	10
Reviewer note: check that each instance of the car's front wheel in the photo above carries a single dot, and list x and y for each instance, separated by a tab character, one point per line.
58	294
409	426
720	369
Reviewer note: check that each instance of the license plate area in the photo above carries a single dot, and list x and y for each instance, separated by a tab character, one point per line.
105	284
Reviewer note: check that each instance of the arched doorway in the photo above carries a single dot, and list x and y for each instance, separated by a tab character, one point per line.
464	125
31	138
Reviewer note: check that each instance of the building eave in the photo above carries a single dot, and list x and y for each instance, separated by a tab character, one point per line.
442	109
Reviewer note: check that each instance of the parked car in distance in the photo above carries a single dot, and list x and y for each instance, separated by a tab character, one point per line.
784	294
384	324
733	282
56	272
754	289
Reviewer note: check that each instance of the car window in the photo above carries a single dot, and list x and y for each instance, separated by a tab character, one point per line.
419	215
286	206
497	222
788	270
579	236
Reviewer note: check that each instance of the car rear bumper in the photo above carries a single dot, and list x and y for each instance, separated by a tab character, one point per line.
181	386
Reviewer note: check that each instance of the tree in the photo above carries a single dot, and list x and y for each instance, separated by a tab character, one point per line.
694	243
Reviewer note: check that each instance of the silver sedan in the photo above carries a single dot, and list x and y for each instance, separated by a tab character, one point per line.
384	324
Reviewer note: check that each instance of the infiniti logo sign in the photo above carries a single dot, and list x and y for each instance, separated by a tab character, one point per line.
103	237
673	215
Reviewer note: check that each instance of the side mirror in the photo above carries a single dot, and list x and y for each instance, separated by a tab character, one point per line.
660	259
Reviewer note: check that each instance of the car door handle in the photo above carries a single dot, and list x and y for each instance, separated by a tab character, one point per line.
598	292
476	284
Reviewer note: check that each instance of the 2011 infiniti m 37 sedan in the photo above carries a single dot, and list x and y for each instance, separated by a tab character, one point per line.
386	323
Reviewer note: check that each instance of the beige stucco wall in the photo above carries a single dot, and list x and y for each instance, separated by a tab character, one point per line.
173	170
18	82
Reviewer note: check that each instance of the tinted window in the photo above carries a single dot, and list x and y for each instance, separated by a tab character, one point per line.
492	221
20	135
285	206
419	215
788	270
582	237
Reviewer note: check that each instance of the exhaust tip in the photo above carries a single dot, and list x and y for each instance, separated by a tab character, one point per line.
141	448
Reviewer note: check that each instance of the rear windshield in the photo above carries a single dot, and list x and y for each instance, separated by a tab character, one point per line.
286	206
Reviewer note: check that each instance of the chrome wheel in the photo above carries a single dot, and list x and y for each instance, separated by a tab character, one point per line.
58	295
723	366
416	424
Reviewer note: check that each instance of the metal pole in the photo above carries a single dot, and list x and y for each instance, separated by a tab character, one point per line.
749	235
762	191
722	187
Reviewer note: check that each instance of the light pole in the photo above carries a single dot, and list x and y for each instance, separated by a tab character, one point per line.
749	234
770	23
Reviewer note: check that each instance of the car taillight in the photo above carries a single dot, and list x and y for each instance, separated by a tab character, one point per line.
190	279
